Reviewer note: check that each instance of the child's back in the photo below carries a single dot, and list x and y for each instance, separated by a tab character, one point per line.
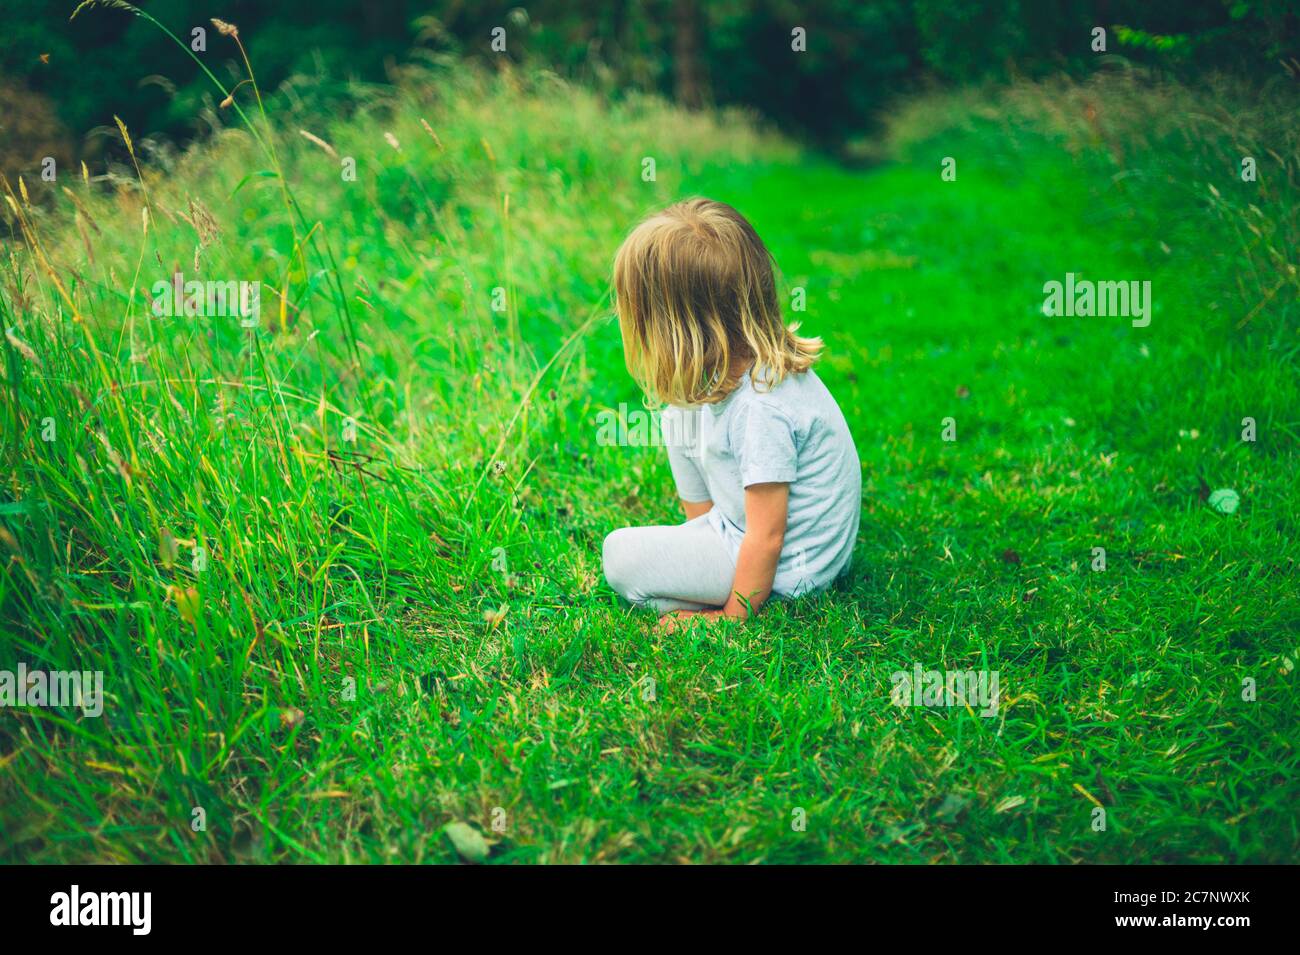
794	434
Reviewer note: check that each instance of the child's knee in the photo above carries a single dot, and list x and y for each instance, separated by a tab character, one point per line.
618	560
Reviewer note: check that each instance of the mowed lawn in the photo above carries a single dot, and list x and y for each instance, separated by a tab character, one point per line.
503	686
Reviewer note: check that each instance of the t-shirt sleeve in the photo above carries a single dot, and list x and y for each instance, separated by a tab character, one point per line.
687	474
765	445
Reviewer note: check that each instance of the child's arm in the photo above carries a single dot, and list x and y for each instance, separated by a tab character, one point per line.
692	489
694	509
760	549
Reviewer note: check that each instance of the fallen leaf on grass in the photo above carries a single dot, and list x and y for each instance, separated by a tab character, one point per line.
951	807
1225	500
469	842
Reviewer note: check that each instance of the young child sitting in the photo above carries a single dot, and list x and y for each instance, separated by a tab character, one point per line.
764	464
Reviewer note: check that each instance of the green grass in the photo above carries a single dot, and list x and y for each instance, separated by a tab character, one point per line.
523	689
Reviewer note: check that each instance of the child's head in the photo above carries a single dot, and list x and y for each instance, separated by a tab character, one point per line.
696	300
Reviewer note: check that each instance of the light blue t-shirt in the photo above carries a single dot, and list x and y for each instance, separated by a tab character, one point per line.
794	434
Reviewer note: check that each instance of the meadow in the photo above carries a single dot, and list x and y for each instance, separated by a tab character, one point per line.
341	569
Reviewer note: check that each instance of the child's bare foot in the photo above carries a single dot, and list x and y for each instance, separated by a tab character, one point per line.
674	620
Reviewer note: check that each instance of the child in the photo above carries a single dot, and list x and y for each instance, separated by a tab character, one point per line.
762	458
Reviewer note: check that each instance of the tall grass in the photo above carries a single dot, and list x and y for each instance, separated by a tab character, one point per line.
183	443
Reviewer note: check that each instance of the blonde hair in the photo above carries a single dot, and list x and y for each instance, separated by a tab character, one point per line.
695	290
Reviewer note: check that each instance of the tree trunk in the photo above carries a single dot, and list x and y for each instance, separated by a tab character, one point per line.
690	85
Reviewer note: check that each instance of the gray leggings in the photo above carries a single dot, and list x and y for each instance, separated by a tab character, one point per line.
678	567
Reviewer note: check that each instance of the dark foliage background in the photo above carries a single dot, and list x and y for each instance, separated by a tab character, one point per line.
859	52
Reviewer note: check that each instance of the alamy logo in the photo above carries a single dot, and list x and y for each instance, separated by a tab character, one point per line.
920	687
133	909
1085	298
638	428
53	688
208	299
